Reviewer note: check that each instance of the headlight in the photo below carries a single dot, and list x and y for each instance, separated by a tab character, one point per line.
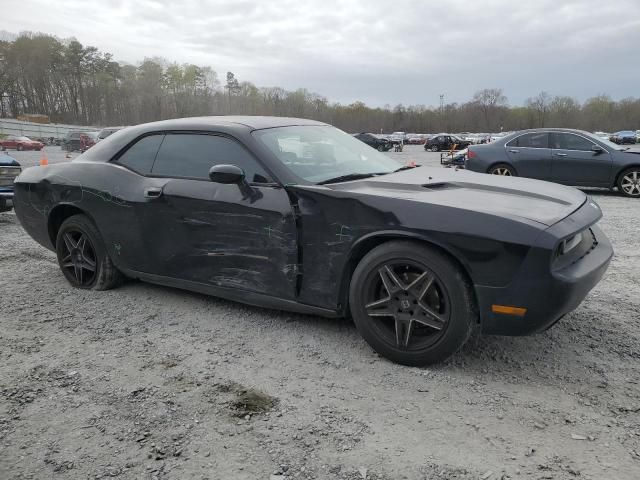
570	243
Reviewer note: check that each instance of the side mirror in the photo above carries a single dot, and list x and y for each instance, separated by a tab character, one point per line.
597	149
226	174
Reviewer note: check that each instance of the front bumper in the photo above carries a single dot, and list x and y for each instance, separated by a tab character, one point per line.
547	293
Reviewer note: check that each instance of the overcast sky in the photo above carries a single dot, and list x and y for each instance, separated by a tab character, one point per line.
380	52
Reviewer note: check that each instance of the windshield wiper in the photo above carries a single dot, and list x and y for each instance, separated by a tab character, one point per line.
405	167
346	178
358	176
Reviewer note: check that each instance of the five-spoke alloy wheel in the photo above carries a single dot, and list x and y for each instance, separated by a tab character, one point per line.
79	258
411	303
82	256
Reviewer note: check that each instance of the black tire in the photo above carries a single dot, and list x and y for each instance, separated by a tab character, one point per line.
19	148
104	275
629	182
447	284
434	148
381	148
502	169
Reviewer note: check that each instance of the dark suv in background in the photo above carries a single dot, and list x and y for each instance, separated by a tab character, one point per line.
380	144
625	136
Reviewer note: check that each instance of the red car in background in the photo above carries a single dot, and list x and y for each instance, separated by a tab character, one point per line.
20	143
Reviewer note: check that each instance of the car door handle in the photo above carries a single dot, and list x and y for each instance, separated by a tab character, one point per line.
514	151
560	154
152	192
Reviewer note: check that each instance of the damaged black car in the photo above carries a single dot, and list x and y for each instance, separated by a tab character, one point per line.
297	215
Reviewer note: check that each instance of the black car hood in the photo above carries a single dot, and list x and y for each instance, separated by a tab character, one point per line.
520	198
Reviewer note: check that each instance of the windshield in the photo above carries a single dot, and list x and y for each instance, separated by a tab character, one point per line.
319	153
23	139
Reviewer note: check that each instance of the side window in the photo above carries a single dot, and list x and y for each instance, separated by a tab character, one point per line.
192	155
569	141
440	139
140	156
531	140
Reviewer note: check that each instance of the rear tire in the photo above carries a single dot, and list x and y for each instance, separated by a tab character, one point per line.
431	304
82	256
502	169
629	182
435	148
19	148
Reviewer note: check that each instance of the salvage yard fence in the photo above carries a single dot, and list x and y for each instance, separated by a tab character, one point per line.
9	126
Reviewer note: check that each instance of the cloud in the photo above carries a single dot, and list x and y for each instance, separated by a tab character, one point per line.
378	51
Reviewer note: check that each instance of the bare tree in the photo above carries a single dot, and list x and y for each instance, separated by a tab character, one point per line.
490	100
540	104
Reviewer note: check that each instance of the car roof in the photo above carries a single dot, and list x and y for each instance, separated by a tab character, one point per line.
550	129
252	122
238	125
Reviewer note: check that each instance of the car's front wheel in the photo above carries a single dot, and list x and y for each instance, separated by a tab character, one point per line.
381	148
19	147
502	169
411	303
629	182
82	256
434	148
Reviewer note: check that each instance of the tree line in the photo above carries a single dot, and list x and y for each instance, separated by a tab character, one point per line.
72	83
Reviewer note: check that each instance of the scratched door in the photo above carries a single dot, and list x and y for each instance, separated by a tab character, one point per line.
224	235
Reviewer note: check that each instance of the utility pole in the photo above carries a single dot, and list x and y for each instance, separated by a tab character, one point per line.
441	103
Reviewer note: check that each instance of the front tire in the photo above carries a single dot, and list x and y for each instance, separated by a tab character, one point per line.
502	169
19	148
629	182
435	148
82	256
381	148
411	303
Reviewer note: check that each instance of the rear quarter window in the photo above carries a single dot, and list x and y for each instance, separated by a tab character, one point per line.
140	156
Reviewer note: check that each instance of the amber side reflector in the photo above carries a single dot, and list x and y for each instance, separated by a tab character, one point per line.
504	309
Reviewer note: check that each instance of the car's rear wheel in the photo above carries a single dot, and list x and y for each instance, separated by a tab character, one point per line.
629	182
502	169
411	303
19	147
434	148
82	256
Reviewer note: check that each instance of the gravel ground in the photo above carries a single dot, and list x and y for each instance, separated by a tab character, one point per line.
146	382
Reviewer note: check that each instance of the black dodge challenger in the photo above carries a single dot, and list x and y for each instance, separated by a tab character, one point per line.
297	215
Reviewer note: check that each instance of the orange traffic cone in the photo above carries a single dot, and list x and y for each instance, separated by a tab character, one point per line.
44	161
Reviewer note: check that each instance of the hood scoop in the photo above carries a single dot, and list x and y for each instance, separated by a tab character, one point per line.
441	186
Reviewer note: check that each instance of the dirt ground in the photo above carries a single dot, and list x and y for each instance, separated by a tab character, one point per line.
147	382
